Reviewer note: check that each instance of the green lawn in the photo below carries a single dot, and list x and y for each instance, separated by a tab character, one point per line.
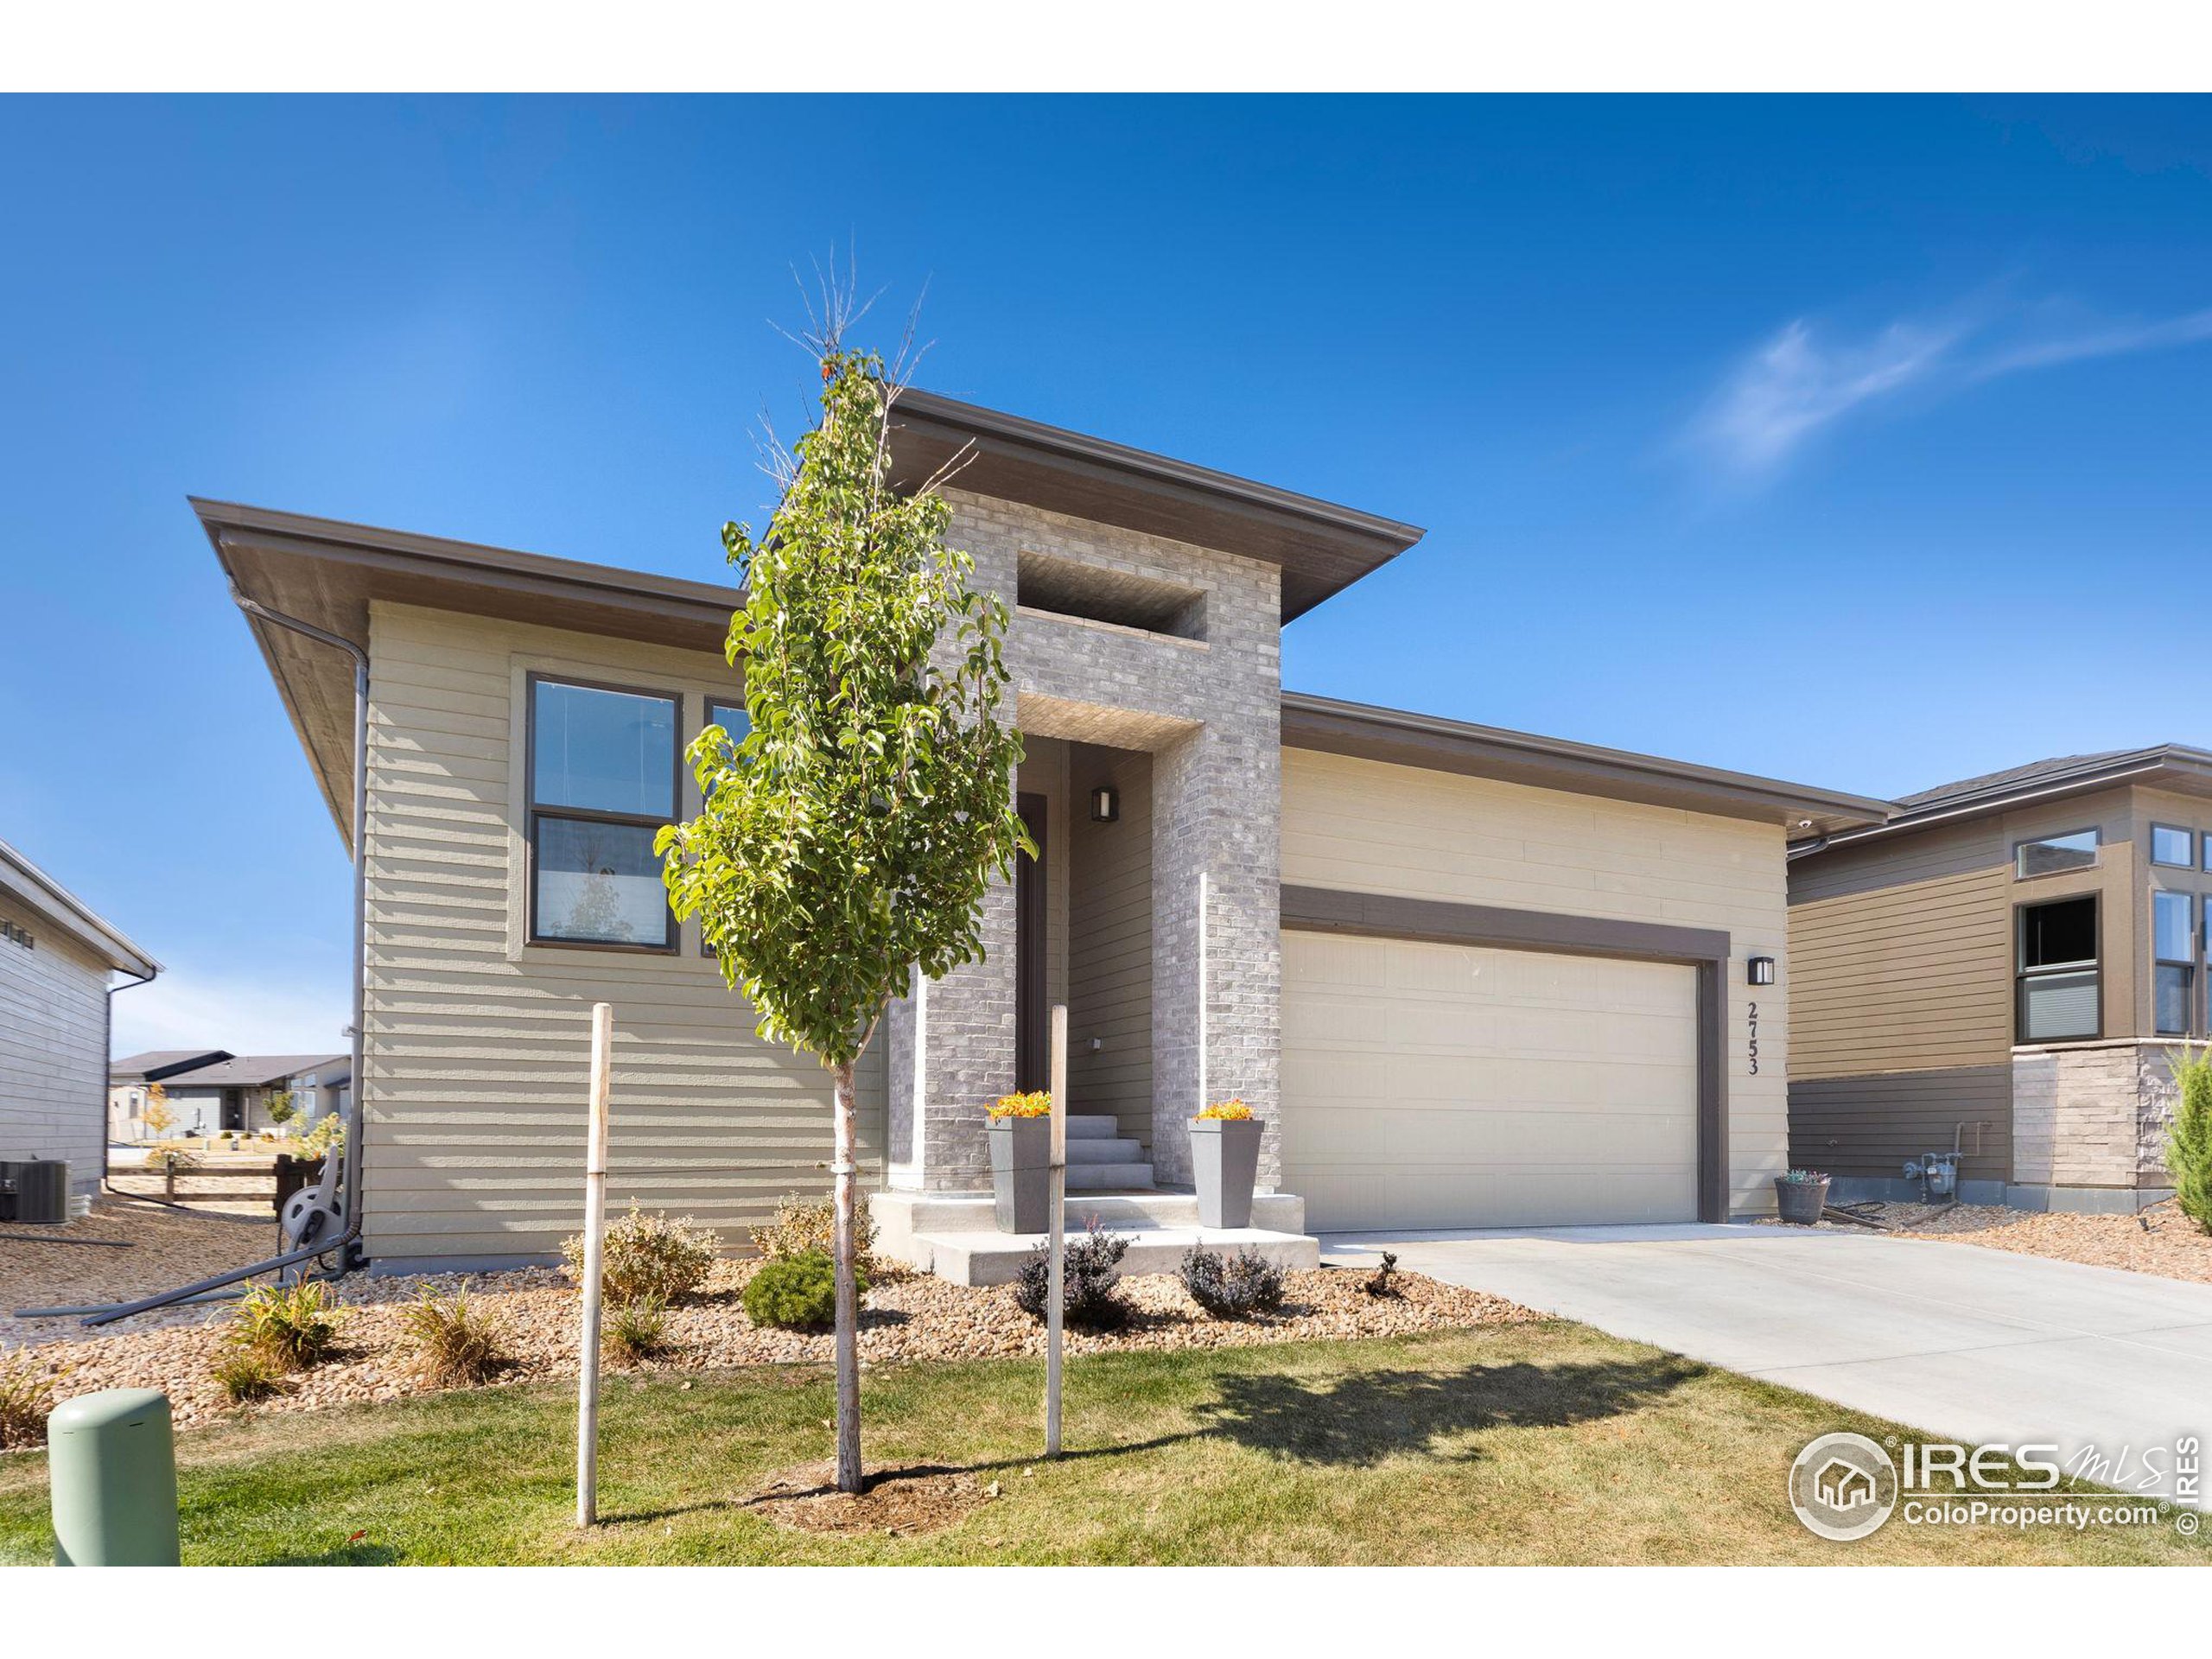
1546	1443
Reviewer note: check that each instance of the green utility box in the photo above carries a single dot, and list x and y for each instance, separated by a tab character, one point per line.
112	1462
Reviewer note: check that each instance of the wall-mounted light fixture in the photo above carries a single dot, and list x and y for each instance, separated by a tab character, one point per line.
1105	804
1759	970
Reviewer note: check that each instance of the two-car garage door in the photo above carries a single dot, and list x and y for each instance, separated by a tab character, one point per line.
1443	1085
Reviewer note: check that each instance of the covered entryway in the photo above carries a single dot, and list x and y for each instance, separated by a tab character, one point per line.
1436	1085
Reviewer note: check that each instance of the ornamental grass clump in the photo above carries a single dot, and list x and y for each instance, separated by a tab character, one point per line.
456	1345
637	1332
647	1255
2189	1144
809	1226
246	1373
26	1402
294	1325
1090	1298
1233	1287
797	1293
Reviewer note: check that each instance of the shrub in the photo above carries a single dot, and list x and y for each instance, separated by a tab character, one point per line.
646	1255
25	1400
294	1327
796	1293
638	1331
1037	1103
2189	1146
809	1226
1235	1287
247	1373
1088	1299
327	1138
454	1344
1381	1281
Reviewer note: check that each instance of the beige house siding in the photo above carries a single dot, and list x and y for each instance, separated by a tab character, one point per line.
1109	994
53	1049
1367	826
477	1041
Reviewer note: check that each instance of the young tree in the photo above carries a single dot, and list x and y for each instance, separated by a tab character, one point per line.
2189	1146
280	1107
849	838
157	1117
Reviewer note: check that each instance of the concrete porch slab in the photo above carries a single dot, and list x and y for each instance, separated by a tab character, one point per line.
956	1236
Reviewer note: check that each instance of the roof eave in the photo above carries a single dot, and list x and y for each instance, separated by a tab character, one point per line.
40	893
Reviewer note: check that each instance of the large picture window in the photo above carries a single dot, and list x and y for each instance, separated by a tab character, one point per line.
602	779
2173	969
2058	989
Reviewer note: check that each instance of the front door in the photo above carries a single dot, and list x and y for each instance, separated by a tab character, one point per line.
1031	1038
234	1108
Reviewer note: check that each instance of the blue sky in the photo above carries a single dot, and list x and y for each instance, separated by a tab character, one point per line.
1856	442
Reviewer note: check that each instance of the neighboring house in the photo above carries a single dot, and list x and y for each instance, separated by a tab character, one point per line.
1464	976
56	960
212	1091
2006	965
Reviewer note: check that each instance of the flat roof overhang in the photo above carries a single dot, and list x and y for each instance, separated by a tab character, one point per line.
1437	745
1322	548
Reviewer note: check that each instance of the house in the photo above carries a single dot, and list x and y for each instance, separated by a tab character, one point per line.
210	1092
2004	967
1465	977
57	963
1844	1486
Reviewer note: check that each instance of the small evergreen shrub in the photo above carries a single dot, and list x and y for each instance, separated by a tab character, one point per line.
1234	1287
1089	1298
2189	1146
637	1332
809	1226
25	1401
294	1326
456	1345
797	1293
246	1373
646	1255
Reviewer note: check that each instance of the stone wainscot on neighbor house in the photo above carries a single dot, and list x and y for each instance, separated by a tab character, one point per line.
1466	978
2005	968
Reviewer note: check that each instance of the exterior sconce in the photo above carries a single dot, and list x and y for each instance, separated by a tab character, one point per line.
1105	804
1759	970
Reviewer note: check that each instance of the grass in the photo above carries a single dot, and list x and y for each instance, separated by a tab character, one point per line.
1548	1443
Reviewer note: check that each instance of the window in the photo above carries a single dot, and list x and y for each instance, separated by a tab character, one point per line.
2172	846
602	779
2058	986
2173	974
2076	851
731	717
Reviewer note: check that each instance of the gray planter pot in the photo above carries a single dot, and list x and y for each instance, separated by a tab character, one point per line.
1800	1202
1225	1163
1021	1190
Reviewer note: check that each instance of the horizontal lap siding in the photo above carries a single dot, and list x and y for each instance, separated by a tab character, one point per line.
1366	826
479	1045
53	1050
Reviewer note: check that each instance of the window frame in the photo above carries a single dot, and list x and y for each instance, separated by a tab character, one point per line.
2096	853
2189	837
2021	974
2191	932
673	941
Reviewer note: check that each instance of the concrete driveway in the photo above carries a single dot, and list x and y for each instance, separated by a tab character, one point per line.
1972	1344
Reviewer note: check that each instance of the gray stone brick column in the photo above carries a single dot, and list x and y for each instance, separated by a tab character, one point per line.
967	1054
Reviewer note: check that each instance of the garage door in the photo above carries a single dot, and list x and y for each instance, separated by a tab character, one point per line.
1440	1085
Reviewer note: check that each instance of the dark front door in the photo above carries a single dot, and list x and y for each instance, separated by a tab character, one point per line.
234	1108
1031	1058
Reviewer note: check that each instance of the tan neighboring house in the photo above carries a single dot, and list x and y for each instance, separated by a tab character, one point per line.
2005	967
57	962
209	1091
1465	977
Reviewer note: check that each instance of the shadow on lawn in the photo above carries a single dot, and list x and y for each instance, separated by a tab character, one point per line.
1360	1419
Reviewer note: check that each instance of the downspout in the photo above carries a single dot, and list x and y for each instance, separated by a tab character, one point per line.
350	1177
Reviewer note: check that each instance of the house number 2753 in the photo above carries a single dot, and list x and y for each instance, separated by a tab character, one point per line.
1755	1039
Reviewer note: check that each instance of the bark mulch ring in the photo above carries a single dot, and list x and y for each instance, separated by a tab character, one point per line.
908	1316
899	1501
2160	1240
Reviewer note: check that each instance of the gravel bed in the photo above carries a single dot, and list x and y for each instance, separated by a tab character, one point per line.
2161	1240
40	1269
907	1316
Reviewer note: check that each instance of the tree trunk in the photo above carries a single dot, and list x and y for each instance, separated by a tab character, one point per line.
848	1360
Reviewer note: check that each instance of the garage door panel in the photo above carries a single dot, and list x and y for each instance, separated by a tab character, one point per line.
1445	1085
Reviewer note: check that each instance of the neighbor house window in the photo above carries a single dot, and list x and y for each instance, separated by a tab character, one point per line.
2173	973
602	779
2075	851
2058	995
2172	846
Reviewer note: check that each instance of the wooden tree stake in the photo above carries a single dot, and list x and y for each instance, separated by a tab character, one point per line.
602	1044
1057	1184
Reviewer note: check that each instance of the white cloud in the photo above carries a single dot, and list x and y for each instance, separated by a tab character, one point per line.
1800	383
186	1007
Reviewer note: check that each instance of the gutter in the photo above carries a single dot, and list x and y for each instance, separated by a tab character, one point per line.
2080	784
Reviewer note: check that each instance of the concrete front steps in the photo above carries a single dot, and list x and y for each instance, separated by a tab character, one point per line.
955	1236
1100	1161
